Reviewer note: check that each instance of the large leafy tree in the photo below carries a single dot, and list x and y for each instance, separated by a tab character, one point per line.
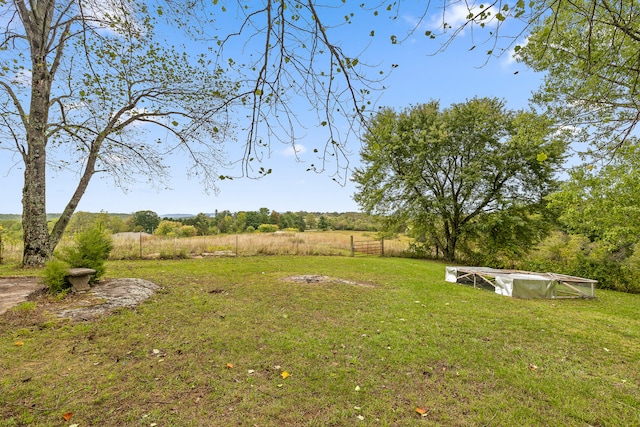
77	77
82	80
599	212
455	172
80	83
588	50
146	221
603	202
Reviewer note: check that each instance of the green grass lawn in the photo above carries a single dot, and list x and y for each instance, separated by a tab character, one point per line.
215	345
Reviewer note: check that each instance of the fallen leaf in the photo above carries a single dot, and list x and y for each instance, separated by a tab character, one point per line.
421	410
357	388
67	416
360	417
230	365
156	351
284	375
250	371
532	367
73	425
19	343
606	349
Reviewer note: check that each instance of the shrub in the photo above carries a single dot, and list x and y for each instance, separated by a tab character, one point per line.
267	228
90	250
577	256
187	231
55	276
180	253
419	250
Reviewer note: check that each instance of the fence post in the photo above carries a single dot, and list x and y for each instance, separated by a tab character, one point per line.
353	250
382	246
0	246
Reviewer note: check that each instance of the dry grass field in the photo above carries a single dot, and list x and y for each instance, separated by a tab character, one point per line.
144	246
134	246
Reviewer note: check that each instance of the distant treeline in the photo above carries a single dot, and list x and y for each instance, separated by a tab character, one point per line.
202	224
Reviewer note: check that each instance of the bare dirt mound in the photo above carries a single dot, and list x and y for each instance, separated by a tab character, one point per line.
316	278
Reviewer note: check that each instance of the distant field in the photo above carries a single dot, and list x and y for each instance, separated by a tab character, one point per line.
137	245
249	244
378	342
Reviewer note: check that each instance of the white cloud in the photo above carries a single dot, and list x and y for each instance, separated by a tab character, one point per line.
510	58
455	16
294	150
22	78
113	16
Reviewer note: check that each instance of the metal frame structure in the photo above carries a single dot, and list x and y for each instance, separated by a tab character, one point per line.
564	286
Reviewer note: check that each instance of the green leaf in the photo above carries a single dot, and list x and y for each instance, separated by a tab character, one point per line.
541	157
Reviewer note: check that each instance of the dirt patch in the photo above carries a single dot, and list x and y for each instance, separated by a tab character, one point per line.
102	299
315	278
16	290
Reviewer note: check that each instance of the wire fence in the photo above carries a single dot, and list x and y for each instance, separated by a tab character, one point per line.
146	246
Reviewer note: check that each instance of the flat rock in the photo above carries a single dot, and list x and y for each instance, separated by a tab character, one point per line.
105	297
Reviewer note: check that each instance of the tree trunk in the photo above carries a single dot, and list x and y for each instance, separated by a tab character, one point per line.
449	252
65	217
37	248
34	211
450	238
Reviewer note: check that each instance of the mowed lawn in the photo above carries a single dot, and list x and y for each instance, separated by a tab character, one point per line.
230	342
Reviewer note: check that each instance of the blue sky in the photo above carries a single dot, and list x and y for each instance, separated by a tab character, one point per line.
451	76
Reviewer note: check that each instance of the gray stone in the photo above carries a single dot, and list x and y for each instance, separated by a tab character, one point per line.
79	278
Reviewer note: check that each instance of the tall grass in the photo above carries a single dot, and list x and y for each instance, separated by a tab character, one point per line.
136	246
144	246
